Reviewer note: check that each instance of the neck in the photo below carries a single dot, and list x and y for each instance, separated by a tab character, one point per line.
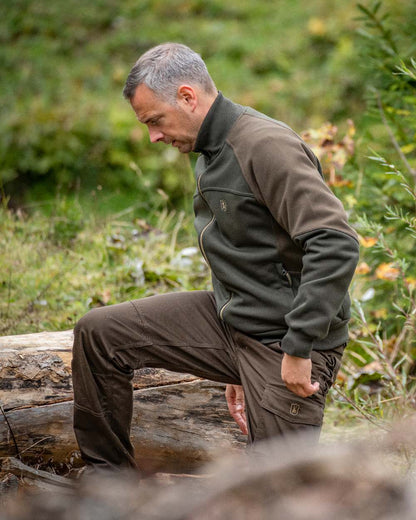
205	102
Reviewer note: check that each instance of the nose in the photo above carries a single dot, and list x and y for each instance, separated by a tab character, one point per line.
155	135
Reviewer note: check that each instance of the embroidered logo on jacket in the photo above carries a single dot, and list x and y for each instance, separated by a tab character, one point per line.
223	205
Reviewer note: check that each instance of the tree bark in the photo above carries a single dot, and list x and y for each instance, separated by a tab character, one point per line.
179	421
35	369
176	428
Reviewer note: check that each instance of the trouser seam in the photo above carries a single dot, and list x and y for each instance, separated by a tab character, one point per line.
143	324
87	410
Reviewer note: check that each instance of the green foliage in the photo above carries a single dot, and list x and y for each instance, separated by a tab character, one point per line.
54	268
387	49
381	367
64	124
66	223
384	328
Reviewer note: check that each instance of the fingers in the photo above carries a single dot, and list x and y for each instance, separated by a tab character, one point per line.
296	374
236	405
240	419
303	390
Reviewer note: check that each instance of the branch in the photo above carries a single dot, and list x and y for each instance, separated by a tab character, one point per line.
396	145
359	409
19	469
16	447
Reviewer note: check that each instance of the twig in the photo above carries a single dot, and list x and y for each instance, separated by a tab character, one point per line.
11	432
400	338
359	409
378	343
378	25
9	290
35	444
19	469
396	145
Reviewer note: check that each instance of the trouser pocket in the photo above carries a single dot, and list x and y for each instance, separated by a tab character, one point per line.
282	412
325	367
291	408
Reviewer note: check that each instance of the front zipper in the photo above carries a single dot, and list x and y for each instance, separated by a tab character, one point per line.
200	238
224	307
201	243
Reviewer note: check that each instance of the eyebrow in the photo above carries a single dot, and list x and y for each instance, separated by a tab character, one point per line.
147	119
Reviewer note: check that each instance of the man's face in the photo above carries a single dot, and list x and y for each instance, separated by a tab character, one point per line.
176	124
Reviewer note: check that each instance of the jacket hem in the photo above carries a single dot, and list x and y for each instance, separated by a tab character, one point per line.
335	338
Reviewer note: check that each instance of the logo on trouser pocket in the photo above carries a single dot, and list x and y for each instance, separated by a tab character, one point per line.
294	409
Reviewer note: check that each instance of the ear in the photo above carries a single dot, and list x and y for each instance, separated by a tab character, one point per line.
187	96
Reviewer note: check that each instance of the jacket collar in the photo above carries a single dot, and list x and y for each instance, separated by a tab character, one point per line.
216	125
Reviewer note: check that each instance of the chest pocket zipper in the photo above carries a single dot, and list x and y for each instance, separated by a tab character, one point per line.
286	274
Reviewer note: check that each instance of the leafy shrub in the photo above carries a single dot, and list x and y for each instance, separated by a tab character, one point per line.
65	126
381	365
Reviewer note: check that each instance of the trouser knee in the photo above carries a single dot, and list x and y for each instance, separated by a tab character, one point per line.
92	321
89	337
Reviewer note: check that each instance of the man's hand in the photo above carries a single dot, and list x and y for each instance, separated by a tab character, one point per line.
296	374
236	405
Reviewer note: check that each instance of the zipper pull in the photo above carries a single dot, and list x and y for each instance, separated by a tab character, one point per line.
287	276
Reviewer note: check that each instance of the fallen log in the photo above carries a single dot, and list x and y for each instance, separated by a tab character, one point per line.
175	428
36	369
179	421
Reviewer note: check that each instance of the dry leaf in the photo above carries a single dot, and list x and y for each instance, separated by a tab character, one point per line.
368	241
387	271
363	268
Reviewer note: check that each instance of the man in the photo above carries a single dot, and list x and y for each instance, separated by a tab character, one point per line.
281	253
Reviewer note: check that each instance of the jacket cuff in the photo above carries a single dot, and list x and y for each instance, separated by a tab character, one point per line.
295	343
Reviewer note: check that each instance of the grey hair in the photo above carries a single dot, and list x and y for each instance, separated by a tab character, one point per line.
164	68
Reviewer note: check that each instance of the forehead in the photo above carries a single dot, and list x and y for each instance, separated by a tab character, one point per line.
147	104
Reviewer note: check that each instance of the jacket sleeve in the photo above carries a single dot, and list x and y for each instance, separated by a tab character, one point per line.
287	179
328	266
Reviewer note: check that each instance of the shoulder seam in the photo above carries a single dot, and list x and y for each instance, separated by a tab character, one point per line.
327	229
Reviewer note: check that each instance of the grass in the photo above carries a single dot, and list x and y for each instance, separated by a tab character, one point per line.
55	268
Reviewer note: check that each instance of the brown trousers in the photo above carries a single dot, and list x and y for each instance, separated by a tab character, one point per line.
179	332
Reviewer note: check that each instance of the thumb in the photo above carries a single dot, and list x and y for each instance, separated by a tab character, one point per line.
315	387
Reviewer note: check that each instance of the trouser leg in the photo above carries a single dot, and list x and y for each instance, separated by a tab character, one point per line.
178	331
272	409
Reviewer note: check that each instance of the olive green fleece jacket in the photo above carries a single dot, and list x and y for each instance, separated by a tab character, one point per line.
276	238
